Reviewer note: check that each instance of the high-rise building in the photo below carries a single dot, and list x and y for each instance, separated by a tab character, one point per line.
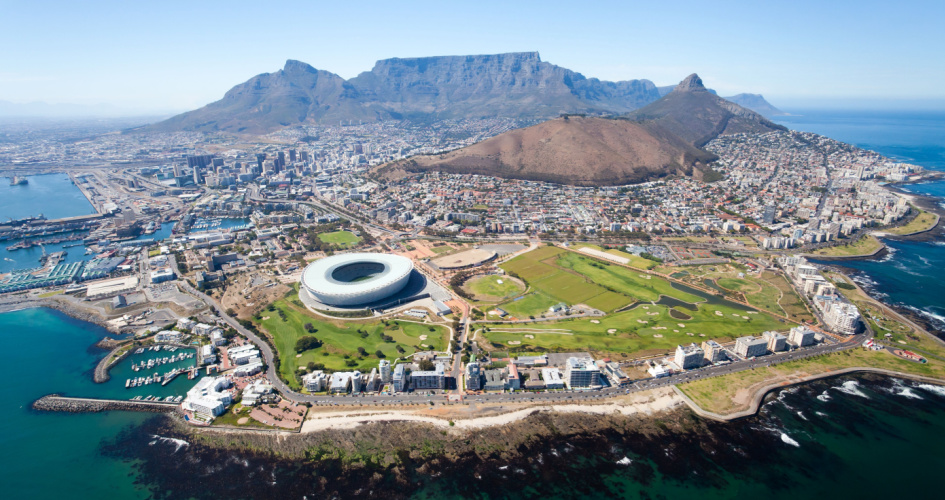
769	213
713	351
384	369
292	155
749	346
581	373
473	376
776	341
689	357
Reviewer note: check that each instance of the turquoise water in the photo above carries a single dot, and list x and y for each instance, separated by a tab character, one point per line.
55	455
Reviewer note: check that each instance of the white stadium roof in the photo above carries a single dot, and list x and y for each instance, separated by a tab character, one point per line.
356	278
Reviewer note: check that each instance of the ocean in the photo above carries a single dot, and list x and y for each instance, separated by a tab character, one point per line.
846	437
912	274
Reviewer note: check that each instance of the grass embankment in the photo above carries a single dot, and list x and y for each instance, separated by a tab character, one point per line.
342	338
732	393
866	245
343	239
922	222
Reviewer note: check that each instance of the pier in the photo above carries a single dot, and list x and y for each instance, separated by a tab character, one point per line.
55	402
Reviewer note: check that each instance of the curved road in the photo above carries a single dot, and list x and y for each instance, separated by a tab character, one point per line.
428	397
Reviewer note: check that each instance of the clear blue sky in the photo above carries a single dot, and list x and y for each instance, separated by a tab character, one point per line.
170	55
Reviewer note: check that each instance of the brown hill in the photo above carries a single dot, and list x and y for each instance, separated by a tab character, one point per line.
696	115
569	150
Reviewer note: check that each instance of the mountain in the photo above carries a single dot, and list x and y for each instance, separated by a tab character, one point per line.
515	85
697	116
569	150
756	103
298	93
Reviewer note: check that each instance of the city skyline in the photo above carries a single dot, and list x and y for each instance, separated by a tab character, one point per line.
174	57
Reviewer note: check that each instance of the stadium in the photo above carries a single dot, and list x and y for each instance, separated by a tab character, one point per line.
356	278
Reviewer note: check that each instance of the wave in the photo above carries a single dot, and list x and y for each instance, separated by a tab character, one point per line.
824	397
820	414
799	414
178	443
624	461
787	439
851	387
934	389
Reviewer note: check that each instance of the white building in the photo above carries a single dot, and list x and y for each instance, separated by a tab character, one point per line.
207	355
801	336
248	369
168	337
713	351
209	396
689	357
749	346
552	378
384	368
776	341
842	317
315	381
400	378
473	376
431	379
253	391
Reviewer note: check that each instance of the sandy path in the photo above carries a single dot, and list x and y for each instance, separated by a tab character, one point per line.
647	402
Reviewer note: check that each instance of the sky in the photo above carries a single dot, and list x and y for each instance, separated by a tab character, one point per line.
169	56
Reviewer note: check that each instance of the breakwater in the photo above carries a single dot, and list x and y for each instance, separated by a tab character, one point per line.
57	403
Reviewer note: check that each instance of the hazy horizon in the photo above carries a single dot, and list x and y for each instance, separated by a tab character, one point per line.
166	58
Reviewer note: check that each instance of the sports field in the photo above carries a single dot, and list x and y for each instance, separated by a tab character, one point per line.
340	238
342	338
494	288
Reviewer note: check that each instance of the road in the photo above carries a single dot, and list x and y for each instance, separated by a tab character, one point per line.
430	397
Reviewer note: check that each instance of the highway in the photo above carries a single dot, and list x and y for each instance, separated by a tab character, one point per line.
431	397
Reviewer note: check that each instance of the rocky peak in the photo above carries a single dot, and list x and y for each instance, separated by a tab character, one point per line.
293	66
691	83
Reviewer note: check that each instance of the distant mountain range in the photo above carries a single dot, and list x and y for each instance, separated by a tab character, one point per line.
661	139
514	85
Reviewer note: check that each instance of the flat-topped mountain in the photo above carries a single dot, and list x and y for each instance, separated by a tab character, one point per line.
697	116
515	85
569	150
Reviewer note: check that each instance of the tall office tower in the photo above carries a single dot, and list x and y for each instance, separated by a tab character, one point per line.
260	158
177	172
291	155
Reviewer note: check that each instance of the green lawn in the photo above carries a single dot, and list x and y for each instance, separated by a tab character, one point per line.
921	222
342	338
533	304
738	285
634	330
720	394
864	246
489	288
340	238
626	281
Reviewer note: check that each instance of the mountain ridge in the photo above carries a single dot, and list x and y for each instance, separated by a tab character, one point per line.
662	139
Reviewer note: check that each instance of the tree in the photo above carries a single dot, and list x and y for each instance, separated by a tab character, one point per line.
362	351
307	342
379	354
426	365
